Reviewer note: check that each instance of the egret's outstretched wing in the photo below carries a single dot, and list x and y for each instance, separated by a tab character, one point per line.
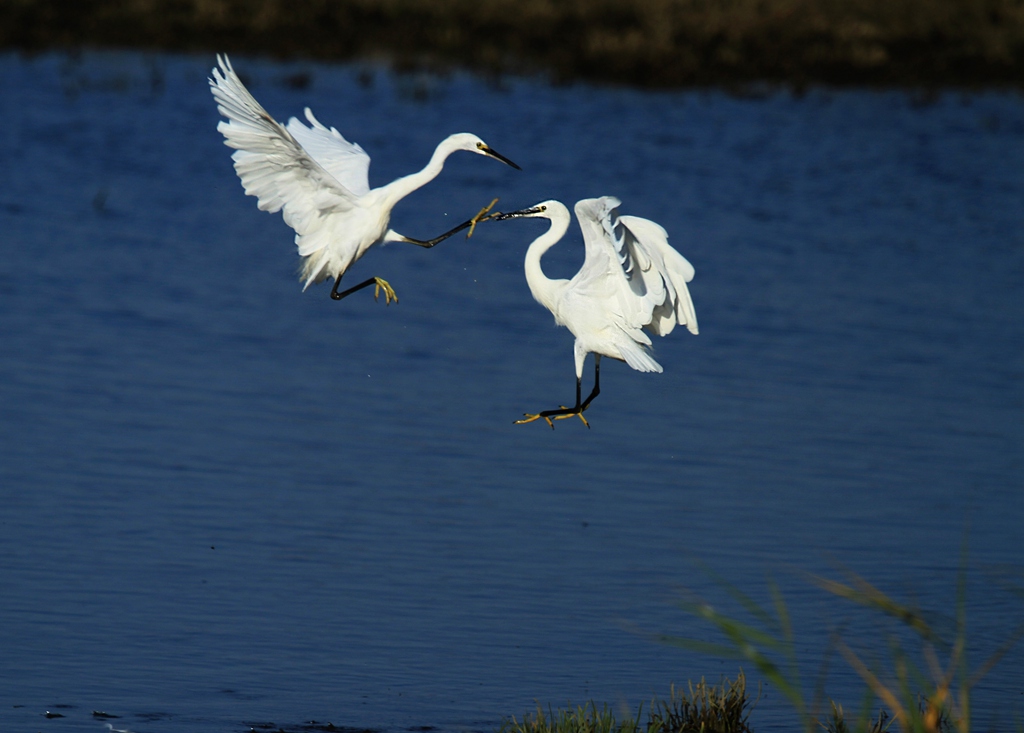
346	161
271	163
610	274
630	264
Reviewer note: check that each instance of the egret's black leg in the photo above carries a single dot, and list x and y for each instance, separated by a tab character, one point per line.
389	292
428	243
469	223
597	385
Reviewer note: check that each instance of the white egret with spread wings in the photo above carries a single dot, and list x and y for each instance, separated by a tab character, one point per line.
631	281
319	180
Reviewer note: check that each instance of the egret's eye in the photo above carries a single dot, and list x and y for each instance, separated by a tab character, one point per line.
543	208
480	146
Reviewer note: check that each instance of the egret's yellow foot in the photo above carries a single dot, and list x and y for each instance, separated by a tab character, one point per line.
480	217
572	414
389	292
530	417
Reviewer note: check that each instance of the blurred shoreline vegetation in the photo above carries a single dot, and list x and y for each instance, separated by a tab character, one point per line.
921	683
645	43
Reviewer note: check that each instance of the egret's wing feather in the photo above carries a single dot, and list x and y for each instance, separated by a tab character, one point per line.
273	166
601	258
665	273
346	161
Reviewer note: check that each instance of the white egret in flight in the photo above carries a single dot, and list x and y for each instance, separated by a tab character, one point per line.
631	280
319	180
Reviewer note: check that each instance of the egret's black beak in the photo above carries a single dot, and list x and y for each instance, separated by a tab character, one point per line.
520	213
488	150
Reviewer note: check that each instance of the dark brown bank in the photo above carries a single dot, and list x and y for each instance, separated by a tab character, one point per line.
648	43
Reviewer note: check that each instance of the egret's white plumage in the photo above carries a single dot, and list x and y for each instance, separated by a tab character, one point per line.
631	282
319	180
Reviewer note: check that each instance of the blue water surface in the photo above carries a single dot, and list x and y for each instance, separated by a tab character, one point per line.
227	504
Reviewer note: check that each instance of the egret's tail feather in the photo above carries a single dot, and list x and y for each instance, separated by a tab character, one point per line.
640	359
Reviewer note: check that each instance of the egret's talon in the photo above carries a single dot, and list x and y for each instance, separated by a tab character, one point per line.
389	292
480	217
530	417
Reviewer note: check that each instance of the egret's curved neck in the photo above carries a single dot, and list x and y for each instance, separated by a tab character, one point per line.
402	187
544	289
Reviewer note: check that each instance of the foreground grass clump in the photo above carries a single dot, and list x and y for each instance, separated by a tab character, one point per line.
703	708
709	708
654	43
